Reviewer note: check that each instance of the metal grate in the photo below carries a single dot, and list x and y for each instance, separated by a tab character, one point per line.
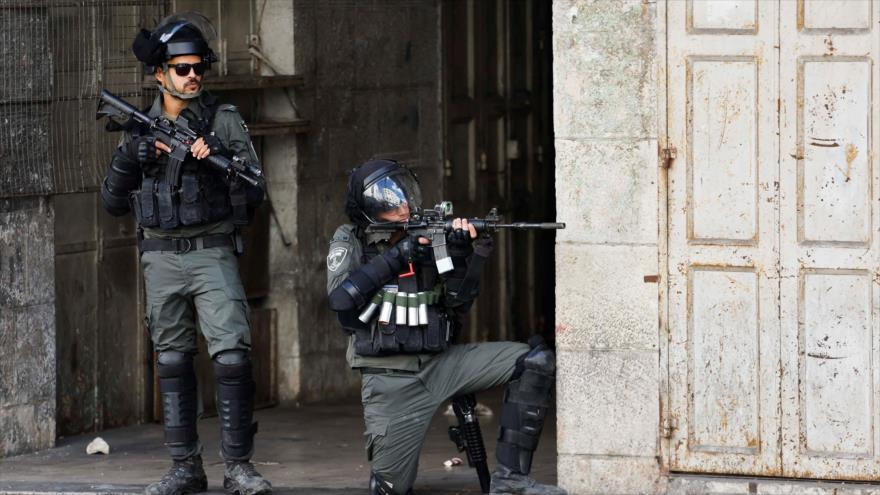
56	56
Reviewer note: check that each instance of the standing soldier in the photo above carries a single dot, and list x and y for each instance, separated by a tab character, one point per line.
408	370
188	215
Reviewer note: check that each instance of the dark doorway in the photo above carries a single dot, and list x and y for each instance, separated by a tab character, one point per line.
498	151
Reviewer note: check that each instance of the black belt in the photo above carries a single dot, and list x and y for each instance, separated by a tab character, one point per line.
384	371
186	244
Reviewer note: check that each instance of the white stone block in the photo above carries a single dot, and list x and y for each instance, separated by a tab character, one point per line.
587	475
602	298
605	74
607	192
608	403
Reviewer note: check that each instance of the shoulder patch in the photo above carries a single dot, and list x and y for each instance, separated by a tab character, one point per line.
336	258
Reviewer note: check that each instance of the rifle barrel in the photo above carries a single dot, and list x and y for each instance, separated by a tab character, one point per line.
527	225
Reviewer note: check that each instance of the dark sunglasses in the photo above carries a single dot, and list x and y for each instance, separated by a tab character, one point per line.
182	69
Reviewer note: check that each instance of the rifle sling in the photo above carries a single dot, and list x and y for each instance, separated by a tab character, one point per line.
472	276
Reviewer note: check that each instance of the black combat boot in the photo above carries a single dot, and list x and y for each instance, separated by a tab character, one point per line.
508	482
186	476
242	478
522	419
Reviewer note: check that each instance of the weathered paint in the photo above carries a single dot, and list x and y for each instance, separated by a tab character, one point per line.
722	206
829	258
773	256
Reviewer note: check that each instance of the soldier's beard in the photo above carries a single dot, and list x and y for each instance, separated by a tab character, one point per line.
173	91
192	83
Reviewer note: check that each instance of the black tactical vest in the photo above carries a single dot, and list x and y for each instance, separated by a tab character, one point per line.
393	335
201	197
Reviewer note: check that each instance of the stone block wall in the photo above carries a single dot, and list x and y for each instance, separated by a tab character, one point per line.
605	121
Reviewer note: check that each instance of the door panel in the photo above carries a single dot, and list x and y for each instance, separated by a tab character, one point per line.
828	227
773	238
723	250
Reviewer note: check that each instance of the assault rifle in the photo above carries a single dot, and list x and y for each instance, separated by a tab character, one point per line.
435	223
177	135
468	438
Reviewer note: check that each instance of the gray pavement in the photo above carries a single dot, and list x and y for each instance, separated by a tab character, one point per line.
314	449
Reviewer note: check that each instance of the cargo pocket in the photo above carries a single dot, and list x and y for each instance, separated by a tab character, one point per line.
375	438
148	317
151	319
376	424
236	295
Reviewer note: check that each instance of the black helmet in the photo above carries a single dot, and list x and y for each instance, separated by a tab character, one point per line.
379	186
188	33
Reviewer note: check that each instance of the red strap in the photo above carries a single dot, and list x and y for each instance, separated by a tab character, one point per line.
410	273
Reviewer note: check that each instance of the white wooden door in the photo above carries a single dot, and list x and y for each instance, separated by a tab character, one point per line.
723	237
773	237
829	238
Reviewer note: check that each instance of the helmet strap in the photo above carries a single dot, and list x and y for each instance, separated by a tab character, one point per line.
168	87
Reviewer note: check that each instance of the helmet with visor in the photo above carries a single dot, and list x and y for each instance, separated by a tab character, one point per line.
388	192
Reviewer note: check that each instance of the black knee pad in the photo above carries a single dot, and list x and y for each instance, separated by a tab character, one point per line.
235	404
378	486
177	384
538	358
524	408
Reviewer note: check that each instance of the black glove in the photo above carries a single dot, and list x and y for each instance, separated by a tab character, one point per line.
483	245
459	238
215	145
142	149
409	248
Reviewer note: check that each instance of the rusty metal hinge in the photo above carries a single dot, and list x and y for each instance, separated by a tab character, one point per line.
667	155
670	424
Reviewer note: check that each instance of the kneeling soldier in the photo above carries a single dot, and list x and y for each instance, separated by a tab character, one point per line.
408	364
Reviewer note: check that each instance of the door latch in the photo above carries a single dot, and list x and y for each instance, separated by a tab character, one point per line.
667	156
670	424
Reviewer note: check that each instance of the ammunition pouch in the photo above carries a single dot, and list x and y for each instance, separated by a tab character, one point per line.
401	323
198	201
184	193
241	214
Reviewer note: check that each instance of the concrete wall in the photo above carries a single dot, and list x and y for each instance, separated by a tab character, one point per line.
280	161
606	116
27	325
372	72
27	277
